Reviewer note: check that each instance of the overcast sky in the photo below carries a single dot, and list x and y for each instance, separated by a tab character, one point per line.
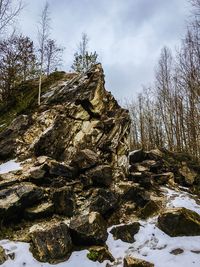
127	34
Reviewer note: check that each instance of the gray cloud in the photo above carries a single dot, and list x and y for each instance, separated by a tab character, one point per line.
127	35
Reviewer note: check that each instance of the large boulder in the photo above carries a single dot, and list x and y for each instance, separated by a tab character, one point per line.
85	159
50	242
126	232
89	229
63	199
137	156
16	198
101	175
188	175
179	222
103	201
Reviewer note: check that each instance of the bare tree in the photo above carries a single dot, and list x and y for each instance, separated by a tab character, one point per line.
53	55
8	12
43	35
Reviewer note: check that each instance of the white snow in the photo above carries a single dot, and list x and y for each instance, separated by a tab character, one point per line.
181	199
23	257
151	244
8	166
155	246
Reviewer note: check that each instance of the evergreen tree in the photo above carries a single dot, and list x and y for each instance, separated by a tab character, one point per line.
83	59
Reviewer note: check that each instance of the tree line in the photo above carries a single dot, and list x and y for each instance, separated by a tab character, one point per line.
167	114
21	59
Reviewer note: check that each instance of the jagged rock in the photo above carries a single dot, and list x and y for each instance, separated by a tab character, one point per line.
85	159
125	213
50	242
3	256
89	229
103	201
39	211
16	198
188	175
144	179
9	136
179	222
137	156
59	169
76	116
63	199
163	178
126	232
133	262
100	254
101	175
152	207
154	154
37	172
131	191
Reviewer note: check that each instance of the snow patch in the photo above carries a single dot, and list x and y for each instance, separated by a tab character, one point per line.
10	165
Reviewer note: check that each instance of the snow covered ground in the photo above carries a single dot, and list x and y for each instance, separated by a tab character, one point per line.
151	243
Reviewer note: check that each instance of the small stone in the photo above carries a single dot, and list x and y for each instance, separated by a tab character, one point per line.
100	254
133	262
177	251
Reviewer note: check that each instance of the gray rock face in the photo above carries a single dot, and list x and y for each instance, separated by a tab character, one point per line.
88	229
51	242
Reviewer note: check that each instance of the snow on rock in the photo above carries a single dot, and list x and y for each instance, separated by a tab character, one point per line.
178	199
10	165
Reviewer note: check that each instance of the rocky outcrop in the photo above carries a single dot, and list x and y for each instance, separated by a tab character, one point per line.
74	180
179	222
80	115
